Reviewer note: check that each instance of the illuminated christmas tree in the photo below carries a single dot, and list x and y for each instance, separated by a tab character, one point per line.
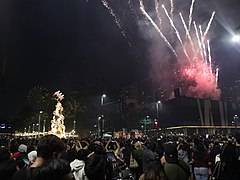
57	123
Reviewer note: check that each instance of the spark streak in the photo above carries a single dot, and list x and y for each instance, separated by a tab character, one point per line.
217	74
158	13
187	31
198	39
156	27
203	44
209	58
116	19
209	24
172	8
177	33
190	15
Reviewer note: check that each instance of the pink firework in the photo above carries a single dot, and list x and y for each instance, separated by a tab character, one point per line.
201	82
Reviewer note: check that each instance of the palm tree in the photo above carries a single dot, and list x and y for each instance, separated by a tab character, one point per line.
72	107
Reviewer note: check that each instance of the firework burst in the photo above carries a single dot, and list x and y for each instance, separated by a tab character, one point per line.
198	73
188	42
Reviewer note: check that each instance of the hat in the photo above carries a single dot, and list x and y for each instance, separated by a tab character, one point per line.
137	145
22	148
32	156
15	154
171	153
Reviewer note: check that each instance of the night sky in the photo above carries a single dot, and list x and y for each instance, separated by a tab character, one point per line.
72	44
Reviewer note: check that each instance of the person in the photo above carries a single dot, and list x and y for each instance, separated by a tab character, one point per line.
228	158
96	164
127	152
237	138
54	169
8	166
174	168
201	161
21	157
78	165
152	173
49	147
150	156
137	155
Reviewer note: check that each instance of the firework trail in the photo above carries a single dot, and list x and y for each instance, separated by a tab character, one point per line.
187	32
171	14
172	8
209	24
209	56
156	27
132	8
198	39
203	44
158	13
190	15
177	33
217	73
116	19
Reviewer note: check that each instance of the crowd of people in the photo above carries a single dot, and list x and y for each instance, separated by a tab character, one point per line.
171	157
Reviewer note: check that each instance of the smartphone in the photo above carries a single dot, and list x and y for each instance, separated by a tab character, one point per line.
112	156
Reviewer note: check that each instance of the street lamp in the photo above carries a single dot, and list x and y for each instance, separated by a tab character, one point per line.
157	107
98	125
39	122
33	128
101	120
102	99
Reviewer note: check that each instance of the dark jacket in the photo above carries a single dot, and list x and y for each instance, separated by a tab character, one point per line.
95	167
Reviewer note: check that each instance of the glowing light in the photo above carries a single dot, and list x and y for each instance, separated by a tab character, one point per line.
236	38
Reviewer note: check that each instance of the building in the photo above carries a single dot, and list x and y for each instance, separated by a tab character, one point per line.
176	111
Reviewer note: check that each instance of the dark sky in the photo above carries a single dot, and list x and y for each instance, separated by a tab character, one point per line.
69	44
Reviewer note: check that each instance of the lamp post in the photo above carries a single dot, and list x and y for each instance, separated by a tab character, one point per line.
98	125
101	121
102	99
33	128
145	125
39	122
44	126
157	108
74	127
